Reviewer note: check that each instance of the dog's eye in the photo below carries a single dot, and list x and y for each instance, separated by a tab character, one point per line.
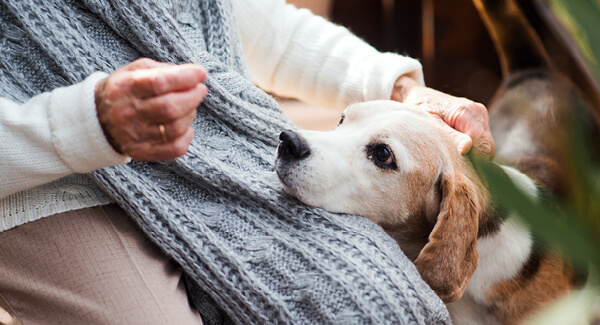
342	116
382	156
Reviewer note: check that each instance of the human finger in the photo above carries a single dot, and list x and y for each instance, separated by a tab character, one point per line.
463	142
159	151
472	119
483	143
173	105
167	132
157	81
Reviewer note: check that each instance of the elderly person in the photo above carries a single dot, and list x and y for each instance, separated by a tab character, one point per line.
136	161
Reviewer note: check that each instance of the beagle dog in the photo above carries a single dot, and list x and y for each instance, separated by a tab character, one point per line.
396	165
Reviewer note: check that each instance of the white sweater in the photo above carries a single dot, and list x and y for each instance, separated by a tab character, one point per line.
52	140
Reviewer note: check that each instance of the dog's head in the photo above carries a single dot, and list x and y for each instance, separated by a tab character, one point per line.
397	166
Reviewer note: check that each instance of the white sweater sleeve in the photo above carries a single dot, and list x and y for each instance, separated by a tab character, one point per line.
52	135
294	53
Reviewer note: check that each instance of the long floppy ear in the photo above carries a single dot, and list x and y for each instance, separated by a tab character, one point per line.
450	256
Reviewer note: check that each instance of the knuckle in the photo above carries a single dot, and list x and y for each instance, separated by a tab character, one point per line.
111	89
181	145
178	128
473	108
168	109
480	107
180	148
141	63
144	61
181	126
159	83
202	91
467	104
138	104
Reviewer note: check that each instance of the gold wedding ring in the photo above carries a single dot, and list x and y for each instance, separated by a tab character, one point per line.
163	132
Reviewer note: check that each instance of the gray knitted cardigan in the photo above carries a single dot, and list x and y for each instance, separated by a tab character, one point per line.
251	254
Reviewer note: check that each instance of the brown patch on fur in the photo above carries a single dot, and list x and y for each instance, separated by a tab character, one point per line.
489	222
450	257
514	300
546	173
411	235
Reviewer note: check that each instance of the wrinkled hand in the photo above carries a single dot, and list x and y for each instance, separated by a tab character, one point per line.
146	108
468	120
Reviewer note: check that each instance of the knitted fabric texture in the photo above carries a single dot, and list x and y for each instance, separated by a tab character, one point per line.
251	254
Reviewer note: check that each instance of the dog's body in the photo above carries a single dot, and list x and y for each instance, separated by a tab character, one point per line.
397	166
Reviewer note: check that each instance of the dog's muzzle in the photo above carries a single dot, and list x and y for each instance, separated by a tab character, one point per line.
292	147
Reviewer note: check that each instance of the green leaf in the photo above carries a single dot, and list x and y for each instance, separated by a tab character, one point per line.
559	228
582	19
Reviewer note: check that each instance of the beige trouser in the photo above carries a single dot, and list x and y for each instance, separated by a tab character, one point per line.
90	266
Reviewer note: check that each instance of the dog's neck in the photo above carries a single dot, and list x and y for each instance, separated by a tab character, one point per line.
505	249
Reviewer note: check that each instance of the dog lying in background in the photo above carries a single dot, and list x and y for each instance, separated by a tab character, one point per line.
397	166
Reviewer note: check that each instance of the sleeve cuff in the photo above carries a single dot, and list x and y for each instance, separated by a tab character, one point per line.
384	70
76	132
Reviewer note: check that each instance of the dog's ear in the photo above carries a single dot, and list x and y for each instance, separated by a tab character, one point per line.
450	256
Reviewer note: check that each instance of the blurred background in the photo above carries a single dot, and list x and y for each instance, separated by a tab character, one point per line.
450	40
446	36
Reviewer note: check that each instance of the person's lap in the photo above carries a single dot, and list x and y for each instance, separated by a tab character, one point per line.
90	266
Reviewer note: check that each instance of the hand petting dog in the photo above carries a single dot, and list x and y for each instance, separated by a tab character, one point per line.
468	120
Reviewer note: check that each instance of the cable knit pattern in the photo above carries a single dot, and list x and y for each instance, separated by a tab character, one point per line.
252	254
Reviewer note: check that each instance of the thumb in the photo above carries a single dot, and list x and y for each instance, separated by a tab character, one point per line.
463	142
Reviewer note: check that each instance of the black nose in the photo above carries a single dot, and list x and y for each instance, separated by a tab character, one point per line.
292	146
